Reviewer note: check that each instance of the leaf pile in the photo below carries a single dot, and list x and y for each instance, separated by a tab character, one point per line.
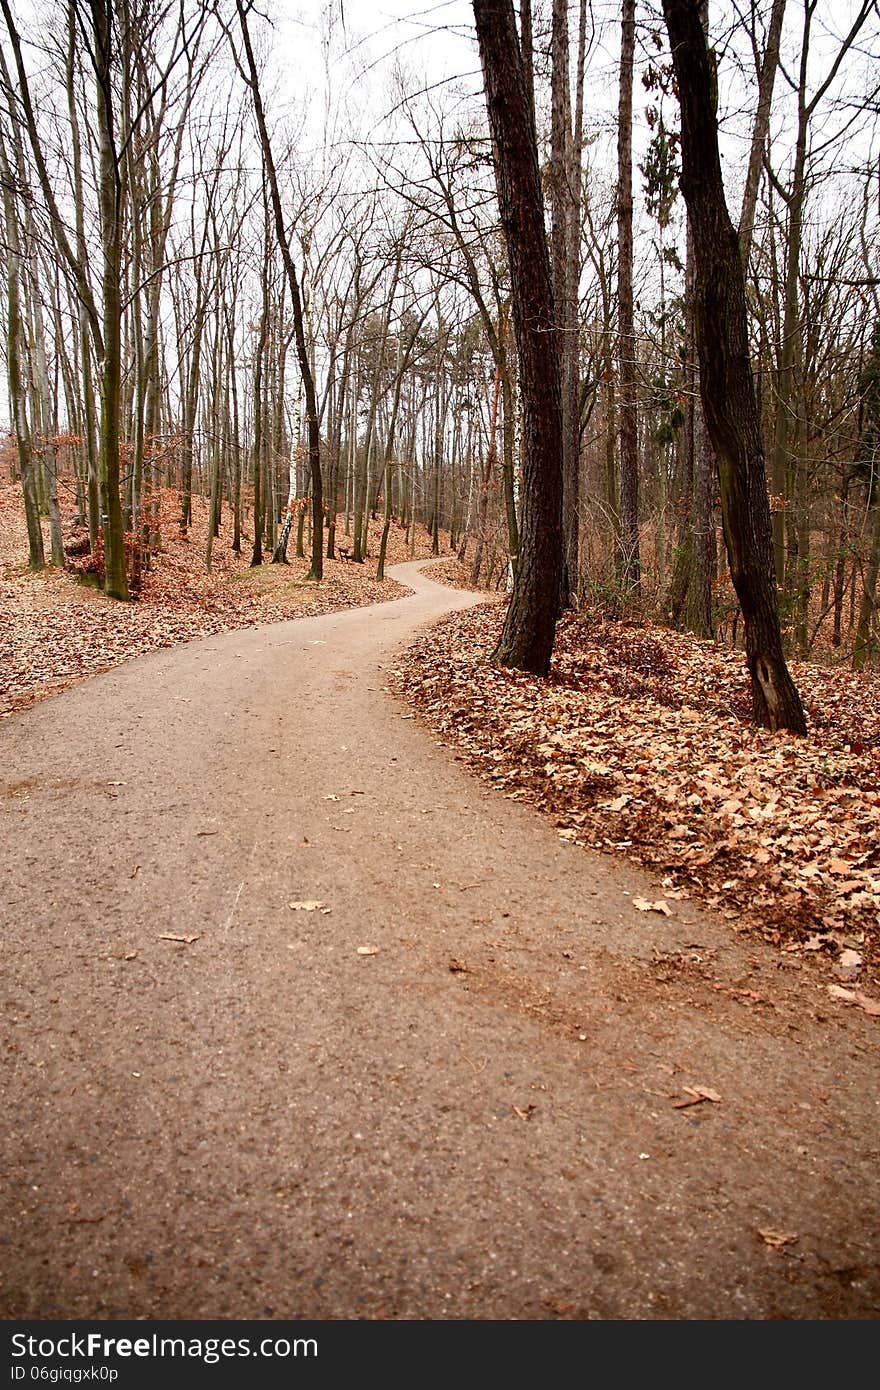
55	630
452	573
639	742
457	575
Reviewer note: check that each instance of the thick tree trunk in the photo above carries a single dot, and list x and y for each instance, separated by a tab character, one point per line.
726	382
530	625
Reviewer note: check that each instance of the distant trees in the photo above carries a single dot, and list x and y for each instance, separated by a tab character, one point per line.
305	365
381	350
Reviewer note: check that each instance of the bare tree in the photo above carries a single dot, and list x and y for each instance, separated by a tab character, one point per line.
305	364
726	381
530	625
630	562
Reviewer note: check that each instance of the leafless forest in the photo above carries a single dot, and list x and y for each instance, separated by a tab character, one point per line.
258	258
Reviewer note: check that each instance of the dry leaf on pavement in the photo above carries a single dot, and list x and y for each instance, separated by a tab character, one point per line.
853	996
644	905
777	1240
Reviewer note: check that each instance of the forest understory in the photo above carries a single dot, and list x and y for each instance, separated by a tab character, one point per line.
639	743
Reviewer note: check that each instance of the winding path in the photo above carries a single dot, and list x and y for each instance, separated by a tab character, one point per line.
476	1120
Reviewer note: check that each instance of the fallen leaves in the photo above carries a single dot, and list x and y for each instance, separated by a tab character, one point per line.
644	905
849	964
853	996
524	1112
696	1095
640	743
777	1240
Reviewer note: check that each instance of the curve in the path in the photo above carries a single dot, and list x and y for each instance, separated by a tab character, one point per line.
450	1094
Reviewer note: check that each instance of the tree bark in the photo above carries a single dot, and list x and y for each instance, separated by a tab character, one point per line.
562	248
110	202
529	630
866	646
766	82
17	402
726	381
629	563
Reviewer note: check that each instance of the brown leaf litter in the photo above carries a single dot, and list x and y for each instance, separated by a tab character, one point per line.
640	743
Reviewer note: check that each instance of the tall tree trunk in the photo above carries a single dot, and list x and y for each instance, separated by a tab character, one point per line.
110	203
866	645
629	564
86	320
760	129
482	514
337	419
403	361
17	401
316	569
689	601
45	411
726	381
259	414
561	251
193	384
790	467
565	253
236	436
529	630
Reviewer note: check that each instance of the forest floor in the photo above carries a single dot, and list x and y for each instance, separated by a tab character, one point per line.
640	744
55	629
303	1020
